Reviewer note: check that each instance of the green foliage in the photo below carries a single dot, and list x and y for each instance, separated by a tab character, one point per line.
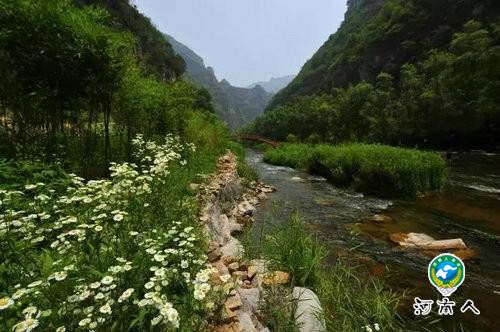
76	92
153	48
75	87
247	173
92	229
351	299
278	308
149	106
400	73
374	169
382	36
292	249
14	175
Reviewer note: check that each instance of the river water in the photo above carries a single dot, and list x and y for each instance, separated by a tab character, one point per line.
468	208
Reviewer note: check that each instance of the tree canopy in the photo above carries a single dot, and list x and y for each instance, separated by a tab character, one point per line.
395	73
74	81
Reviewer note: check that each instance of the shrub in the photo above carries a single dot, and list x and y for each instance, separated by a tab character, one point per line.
370	168
15	174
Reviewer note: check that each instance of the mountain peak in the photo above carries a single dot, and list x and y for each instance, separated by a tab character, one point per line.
275	84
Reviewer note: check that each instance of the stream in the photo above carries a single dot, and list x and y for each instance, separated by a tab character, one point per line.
468	208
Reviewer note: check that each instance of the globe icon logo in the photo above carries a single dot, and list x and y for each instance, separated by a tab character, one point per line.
446	273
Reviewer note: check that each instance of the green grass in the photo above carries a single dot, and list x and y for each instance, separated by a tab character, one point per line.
292	249
279	309
351	300
369	168
350	297
247	173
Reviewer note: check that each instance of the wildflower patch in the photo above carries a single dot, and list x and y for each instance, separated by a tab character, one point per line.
104	254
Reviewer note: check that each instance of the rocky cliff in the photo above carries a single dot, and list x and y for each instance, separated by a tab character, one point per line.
236	106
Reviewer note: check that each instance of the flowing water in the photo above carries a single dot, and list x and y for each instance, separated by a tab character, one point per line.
468	208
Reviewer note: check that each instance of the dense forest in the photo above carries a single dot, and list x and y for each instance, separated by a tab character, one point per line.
415	73
152	48
80	81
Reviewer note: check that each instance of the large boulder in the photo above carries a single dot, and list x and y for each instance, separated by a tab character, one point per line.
308	312
426	242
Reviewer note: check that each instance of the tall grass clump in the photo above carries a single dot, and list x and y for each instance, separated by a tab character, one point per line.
290	155
292	249
247	173
350	297
279	308
351	300
370	168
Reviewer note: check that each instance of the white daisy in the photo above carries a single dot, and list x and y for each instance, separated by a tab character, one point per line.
5	302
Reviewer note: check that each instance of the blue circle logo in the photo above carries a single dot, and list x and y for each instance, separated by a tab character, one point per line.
446	272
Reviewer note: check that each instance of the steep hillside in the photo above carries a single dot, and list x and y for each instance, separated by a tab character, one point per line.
236	106
402	72
382	35
275	84
157	54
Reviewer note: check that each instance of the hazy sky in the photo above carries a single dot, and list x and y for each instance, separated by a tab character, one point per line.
248	40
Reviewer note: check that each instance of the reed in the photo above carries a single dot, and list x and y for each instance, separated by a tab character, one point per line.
375	169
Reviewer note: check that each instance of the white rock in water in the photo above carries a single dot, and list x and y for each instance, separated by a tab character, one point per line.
426	242
445	244
267	189
298	179
308	310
